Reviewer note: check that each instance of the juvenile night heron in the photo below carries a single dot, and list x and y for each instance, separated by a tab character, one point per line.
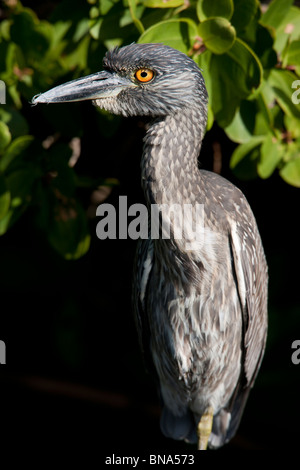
201	309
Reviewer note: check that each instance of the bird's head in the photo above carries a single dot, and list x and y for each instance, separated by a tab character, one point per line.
137	80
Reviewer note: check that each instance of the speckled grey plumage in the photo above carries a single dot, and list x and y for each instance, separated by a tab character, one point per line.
201	313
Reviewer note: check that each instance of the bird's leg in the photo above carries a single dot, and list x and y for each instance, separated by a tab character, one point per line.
204	428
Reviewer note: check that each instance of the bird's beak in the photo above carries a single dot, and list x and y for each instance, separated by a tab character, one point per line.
93	87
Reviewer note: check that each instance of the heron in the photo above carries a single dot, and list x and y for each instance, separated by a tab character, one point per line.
200	308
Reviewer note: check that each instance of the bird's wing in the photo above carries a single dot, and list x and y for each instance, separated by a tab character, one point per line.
252	281
142	272
251	276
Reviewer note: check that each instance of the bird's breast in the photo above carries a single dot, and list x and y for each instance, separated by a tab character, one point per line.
196	330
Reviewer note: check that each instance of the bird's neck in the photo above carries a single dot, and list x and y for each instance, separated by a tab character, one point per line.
170	173
172	182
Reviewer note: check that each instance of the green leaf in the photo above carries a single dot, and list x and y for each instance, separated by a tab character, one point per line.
178	33
264	111
288	29
210	118
163	3
293	54
95	28
281	82
19	183
218	34
290	172
276	12
94	12
5	136
5	221
4	198
135	19
236	74
208	8
68	231
31	35
12	56
261	39
244	12
15	149
113	29
15	120
292	125
247	68
4	29
271	153
105	6
252	118
241	128
203	61
245	157
78	58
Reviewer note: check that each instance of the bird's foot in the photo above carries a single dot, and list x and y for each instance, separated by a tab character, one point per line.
204	428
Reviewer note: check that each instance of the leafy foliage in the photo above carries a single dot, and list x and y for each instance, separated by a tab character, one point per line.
251	64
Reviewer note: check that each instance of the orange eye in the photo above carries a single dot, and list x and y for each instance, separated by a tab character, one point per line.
144	75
